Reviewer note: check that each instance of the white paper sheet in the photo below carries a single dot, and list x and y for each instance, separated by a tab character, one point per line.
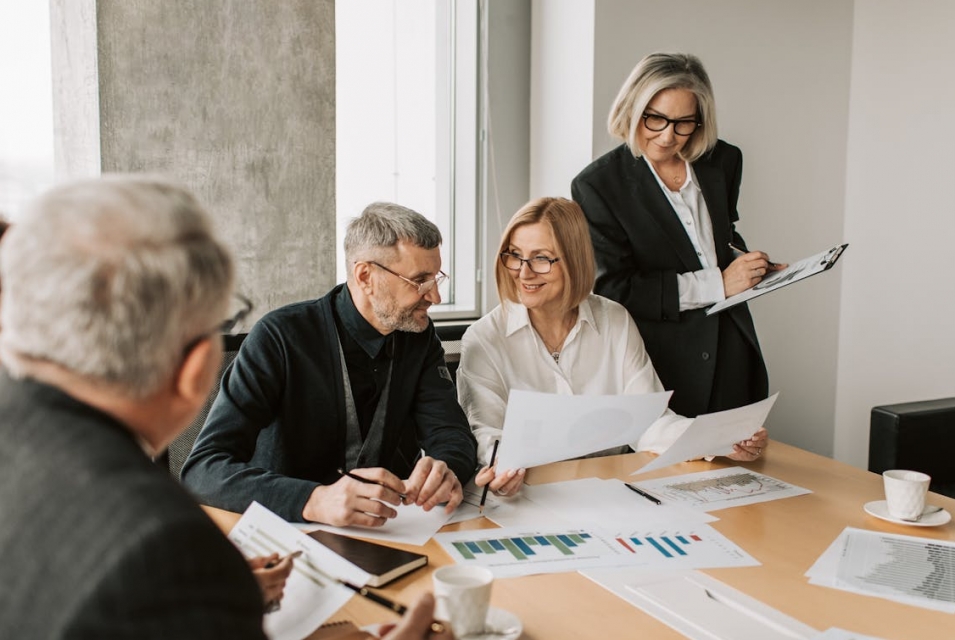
555	548
412	525
310	599
547	427
712	490
835	633
701	607
907	569
714	434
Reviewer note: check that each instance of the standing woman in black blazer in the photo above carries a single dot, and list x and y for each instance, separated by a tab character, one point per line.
662	212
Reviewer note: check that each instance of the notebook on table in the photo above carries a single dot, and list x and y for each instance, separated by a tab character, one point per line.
382	562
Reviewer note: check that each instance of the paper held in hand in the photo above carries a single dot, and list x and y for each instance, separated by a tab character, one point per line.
793	273
545	427
714	434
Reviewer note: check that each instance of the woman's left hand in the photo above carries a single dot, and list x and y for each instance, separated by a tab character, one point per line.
749	450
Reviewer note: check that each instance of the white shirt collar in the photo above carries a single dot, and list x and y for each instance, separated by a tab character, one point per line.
690	177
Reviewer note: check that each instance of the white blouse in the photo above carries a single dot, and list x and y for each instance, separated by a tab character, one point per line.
602	355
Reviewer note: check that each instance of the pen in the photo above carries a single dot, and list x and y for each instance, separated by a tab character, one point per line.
742	251
487	486
642	493
355	476
273	563
365	592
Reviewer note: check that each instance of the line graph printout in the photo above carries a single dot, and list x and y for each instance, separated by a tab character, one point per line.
908	569
711	490
519	551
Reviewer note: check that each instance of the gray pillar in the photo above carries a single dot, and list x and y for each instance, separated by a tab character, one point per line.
233	98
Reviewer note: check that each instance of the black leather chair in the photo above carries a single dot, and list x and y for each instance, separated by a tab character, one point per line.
175	456
918	436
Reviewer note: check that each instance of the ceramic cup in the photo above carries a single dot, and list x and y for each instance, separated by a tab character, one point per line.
905	493
463	594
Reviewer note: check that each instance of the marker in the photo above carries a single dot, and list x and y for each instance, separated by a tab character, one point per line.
642	493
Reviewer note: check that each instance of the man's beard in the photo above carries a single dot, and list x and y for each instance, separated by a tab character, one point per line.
396	318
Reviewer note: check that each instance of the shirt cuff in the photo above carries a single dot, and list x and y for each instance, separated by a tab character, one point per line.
700	289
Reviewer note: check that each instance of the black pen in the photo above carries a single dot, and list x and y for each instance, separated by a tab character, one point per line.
642	493
355	476
365	592
487	486
273	563
742	251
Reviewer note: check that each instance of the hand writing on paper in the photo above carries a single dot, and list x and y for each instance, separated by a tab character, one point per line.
746	271
749	450
432	483
353	502
508	483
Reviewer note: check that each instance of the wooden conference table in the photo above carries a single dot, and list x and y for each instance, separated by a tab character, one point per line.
786	536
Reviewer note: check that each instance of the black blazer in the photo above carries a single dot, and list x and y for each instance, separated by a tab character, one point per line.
640	248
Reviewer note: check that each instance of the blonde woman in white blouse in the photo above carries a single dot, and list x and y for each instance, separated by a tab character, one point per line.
551	334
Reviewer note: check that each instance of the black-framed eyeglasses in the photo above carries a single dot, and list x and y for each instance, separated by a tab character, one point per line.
656	122
245	308
537	264
423	288
227	327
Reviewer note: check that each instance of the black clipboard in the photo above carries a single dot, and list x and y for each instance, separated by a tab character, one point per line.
822	261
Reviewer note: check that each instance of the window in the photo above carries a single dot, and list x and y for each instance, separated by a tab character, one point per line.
406	125
26	109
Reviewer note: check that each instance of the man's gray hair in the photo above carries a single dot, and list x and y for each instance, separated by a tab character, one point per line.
374	234
111	278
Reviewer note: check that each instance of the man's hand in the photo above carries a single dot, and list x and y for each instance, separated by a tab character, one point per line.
432	483
418	623
351	501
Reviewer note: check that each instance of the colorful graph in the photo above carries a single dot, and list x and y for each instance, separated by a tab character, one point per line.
522	547
665	545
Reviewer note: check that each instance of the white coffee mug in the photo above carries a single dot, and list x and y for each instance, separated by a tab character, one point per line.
463	595
905	492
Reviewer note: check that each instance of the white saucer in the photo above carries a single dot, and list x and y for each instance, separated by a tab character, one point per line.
879	509
499	625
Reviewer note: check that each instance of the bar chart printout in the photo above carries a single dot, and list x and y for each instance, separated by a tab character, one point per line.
917	571
709	490
512	551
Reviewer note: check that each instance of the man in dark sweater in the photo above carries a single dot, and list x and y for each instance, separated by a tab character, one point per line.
353	382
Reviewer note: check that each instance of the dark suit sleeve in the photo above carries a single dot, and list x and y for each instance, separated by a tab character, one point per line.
179	579
442	427
219	470
647	294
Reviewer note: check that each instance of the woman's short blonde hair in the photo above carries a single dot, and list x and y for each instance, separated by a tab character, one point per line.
574	248
653	74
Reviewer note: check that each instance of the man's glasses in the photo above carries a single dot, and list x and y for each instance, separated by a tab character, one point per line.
245	308
423	288
537	264
227	327
655	122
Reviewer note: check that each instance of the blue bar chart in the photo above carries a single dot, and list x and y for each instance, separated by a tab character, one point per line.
514	551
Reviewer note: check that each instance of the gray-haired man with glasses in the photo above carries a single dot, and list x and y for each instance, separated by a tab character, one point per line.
338	409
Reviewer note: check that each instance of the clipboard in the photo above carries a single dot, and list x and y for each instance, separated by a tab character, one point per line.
822	261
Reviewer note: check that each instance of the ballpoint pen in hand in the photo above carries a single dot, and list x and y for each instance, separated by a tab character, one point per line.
355	476
274	605
488	485
741	251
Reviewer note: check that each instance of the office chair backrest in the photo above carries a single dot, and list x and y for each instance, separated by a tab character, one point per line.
450	335
180	448
915	435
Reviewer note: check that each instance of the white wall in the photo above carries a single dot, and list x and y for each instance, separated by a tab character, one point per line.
562	68
780	72
896	342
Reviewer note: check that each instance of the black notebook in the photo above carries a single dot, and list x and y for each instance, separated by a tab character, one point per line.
382	562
